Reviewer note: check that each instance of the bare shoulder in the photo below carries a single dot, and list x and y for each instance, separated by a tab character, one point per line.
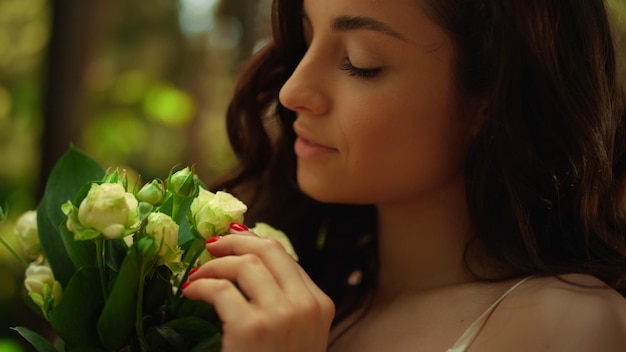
574	313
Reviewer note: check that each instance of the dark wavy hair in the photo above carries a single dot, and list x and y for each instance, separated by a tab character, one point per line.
545	177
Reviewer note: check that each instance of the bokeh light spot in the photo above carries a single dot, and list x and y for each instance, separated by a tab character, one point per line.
10	346
116	133
131	87
168	105
226	33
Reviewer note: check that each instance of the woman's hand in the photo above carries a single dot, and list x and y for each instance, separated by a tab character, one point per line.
277	307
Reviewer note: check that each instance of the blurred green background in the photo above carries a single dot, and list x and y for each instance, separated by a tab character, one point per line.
140	84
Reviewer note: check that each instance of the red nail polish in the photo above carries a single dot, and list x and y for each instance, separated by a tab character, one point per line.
186	284
192	271
237	227
212	239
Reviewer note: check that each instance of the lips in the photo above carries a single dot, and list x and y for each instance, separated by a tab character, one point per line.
307	147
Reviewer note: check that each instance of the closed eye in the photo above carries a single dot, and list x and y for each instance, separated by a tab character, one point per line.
359	72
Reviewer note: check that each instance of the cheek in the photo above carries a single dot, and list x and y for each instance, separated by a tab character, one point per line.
405	151
398	141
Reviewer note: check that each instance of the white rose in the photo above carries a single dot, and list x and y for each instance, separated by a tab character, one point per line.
264	230
109	209
26	228
212	213
37	276
164	231
41	285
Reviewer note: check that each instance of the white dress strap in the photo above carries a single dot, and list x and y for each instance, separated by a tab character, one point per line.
464	342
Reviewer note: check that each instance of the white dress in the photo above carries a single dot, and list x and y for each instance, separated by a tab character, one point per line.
464	342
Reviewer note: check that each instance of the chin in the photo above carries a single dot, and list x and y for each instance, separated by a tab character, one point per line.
326	191
318	195
319	192
329	195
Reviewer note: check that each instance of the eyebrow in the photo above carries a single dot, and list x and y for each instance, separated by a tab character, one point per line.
353	23
348	23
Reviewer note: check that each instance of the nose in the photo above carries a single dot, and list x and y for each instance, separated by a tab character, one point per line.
306	90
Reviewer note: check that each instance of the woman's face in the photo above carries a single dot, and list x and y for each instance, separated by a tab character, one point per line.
379	117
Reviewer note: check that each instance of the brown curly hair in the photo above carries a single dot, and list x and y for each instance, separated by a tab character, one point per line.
544	177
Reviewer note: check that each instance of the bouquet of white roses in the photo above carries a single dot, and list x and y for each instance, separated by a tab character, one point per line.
105	261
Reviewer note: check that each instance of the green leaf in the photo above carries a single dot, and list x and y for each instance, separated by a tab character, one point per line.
182	334
212	344
38	341
163	338
74	319
117	320
158	290
115	254
182	218
145	209
73	170
199	309
191	250
81	253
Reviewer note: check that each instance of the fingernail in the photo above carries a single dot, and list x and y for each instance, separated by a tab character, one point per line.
212	239
192	271
186	284
237	227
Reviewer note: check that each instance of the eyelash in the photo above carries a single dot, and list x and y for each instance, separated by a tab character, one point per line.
364	73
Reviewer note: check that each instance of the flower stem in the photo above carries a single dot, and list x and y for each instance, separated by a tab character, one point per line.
197	254
13	251
139	310
176	201
100	253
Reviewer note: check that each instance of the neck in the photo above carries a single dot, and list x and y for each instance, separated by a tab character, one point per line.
422	243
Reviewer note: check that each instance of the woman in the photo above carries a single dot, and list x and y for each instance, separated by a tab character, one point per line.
451	173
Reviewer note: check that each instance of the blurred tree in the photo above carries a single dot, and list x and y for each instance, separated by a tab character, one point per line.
247	12
23	38
76	34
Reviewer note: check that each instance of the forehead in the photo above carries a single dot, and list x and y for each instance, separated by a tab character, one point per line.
404	17
391	10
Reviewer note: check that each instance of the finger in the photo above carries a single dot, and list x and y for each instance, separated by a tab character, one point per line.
326	304
250	273
288	274
228	301
240	229
282	266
